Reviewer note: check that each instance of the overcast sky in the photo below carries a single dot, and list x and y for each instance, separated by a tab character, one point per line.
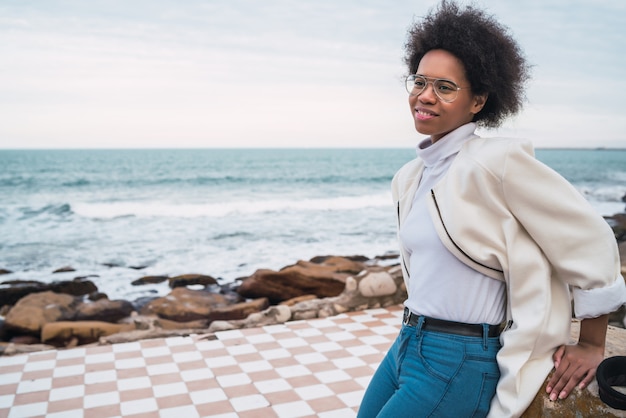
279	73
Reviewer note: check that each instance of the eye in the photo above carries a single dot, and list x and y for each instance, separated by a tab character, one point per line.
419	82
446	87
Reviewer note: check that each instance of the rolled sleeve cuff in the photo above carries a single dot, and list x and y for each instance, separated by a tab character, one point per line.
593	303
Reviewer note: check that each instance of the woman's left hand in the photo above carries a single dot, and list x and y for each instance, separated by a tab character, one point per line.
575	366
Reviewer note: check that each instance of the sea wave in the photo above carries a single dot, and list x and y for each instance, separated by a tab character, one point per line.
112	210
63	209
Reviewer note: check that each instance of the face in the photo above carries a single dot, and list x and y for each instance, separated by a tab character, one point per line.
433	116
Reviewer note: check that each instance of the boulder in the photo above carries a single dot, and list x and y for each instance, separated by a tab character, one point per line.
13	290
65	269
238	310
183	305
618	224
581	402
64	333
191	279
325	278
103	310
33	311
149	280
5	271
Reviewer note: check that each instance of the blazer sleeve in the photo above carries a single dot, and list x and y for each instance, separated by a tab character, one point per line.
578	242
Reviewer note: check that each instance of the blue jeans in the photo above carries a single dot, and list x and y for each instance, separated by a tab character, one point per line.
433	374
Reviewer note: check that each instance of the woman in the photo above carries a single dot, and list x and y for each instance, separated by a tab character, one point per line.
491	243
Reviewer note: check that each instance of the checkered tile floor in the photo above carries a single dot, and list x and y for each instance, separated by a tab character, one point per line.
316	368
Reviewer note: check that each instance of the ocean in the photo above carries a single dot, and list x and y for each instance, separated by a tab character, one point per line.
221	212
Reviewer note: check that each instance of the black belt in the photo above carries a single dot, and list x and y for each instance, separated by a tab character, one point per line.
612	372
449	327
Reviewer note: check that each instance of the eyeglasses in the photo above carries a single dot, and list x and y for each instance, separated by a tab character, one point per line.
446	90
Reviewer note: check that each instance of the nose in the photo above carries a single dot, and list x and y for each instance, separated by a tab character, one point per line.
428	95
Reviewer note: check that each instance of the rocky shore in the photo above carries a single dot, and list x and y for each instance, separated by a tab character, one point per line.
38	316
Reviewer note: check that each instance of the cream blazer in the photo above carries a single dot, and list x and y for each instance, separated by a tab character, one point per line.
507	215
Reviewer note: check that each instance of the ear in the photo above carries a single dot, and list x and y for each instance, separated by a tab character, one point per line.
479	102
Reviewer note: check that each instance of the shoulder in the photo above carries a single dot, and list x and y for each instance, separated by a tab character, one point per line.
495	154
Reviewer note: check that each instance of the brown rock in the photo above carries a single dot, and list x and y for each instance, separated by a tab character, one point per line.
323	279
183	305
191	279
296	300
149	280
5	271
14	290
32	312
65	269
63	333
239	310
103	310
76	287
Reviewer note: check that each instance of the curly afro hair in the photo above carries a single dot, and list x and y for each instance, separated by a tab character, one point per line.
493	61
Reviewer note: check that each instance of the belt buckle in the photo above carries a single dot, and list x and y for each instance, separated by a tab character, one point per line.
406	318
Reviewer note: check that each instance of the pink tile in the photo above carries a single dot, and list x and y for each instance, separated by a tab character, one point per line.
173	401
135	394
215	408
65	405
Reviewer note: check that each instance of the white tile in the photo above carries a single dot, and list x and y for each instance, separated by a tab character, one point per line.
348	362
275	354
353	326
13	360
169	389
273	385
293	371
155	352
327	346
311	358
177	341
138	382
64	371
188	411
340	336
241	349
246	403
385	330
375	339
196	374
361	350
229	335
126	347
28	410
68	392
276	329
99	358
293	342
39	365
260	338
293	409
186	356
308	332
352	399
208	345
101	399
100	377
207	396
313	392
255	366
28	386
362	318
9	378
72	353
322	323
6	401
221	361
364	381
230	380
139	406
130	363
157	369
332	376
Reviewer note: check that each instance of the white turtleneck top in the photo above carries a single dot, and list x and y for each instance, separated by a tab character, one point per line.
441	286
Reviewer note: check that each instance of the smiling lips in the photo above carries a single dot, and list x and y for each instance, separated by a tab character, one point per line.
423	114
